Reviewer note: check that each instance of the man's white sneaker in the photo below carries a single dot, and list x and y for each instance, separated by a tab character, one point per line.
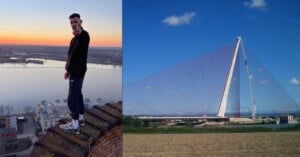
69	128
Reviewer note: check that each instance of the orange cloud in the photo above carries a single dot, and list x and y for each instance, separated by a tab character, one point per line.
32	39
55	40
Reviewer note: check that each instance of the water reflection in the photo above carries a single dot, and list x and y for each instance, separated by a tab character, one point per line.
47	63
29	84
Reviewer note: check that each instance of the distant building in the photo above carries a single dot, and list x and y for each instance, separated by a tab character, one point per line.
8	127
8	122
287	119
49	113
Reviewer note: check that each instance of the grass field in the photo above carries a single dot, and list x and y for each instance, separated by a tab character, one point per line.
256	144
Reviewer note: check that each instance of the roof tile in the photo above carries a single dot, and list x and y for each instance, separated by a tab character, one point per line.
111	111
99	119
104	116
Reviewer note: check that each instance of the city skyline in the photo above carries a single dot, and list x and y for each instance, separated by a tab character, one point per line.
46	22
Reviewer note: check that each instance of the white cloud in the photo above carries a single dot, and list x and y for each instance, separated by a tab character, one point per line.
264	82
148	87
259	4
179	20
294	80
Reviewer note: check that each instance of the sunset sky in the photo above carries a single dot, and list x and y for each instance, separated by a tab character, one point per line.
44	22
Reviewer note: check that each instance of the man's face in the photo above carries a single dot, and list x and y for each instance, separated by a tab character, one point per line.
75	23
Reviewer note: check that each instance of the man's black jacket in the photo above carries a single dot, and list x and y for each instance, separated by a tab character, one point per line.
77	55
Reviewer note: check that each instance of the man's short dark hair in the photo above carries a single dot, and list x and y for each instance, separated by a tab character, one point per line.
74	15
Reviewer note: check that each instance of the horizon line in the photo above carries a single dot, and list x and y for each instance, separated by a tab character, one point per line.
59	45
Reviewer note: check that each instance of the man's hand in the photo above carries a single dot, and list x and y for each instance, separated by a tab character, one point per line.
66	75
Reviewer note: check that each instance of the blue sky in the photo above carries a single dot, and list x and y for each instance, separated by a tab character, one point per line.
159	34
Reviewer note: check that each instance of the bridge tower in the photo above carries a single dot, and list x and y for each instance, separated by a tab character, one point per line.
223	104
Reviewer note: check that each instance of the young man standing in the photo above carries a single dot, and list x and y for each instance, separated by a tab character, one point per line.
75	71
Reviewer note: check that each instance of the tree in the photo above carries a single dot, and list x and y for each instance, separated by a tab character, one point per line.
127	120
146	123
130	121
136	123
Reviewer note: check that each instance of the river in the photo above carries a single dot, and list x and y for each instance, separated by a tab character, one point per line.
28	84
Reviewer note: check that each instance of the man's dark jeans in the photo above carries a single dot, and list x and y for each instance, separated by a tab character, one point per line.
75	97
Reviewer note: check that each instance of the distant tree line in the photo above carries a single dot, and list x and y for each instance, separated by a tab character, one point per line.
131	121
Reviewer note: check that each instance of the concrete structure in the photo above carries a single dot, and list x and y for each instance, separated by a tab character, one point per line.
287	119
223	104
49	113
202	118
240	120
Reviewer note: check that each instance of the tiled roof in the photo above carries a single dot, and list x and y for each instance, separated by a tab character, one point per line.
98	121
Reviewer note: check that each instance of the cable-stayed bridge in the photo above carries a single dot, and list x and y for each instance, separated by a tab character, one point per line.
228	81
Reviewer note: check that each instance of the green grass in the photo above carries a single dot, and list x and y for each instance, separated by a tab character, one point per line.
132	129
133	125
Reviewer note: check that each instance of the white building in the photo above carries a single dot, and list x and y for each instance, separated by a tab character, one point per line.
49	113
287	119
